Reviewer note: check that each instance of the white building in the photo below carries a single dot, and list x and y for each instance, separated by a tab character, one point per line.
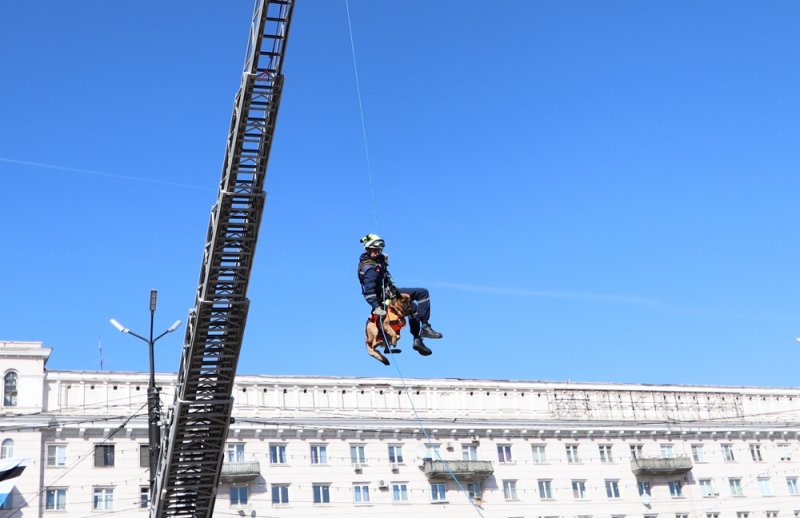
322	446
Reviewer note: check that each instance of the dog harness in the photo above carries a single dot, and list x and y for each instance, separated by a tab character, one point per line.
396	324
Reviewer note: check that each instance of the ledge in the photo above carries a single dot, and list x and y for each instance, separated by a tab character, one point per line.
658	466
233	472
468	470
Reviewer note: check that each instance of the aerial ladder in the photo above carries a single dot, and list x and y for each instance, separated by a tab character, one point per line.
193	449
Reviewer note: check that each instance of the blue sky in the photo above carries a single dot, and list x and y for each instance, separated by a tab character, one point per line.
592	191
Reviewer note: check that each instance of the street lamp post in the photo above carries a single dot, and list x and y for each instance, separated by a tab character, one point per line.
152	391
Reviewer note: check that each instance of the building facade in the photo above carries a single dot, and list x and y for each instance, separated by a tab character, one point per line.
325	446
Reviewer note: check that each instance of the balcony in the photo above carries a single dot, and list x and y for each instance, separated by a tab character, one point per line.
657	466
467	470
233	472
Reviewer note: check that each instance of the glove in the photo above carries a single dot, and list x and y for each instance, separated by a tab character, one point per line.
379	311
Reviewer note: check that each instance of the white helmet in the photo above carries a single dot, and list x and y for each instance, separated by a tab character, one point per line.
373	241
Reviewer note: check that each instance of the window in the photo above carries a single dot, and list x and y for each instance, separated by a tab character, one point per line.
545	489
539	456
681	515
103	455
666	451
10	389
396	454
56	455
475	490
579	489
736	486
357	455
636	451
469	452
755	452
7	449
399	492
280	494
706	489
605	453
675	488
56	500
103	498
360	493
144	497
742	514
277	454
510	489
432	451
504	452
238	495
712	515
236	452
764	486
791	484
612	488
572	453
322	493
319	454
698	453
771	514
144	455
644	487
784	453
438	493
727	452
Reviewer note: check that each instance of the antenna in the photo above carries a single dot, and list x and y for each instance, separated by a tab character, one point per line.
100	347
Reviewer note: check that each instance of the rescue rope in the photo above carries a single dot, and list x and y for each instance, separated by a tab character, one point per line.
363	122
375	215
428	439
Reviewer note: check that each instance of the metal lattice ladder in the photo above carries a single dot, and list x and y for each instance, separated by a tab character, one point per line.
194	447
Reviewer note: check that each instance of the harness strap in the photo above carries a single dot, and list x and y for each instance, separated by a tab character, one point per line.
396	324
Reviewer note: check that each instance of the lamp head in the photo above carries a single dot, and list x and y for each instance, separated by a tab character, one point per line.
174	326
120	327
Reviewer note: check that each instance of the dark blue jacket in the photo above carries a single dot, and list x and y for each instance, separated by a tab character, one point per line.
376	282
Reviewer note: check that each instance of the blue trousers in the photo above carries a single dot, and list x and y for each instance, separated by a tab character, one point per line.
422	308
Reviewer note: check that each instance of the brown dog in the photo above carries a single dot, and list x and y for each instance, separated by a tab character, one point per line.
394	320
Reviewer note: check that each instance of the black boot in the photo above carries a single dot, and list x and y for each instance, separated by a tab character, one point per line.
429	332
421	348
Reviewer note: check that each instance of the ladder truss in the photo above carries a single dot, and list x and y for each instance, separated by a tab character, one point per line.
193	449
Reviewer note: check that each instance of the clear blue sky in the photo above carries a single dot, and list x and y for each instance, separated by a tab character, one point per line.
593	191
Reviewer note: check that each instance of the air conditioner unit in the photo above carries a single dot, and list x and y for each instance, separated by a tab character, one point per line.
395	466
449	446
382	484
357	466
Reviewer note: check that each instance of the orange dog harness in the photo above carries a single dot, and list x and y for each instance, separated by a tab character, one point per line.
396	325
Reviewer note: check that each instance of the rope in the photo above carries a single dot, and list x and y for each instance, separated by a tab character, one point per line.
428	437
375	214
361	111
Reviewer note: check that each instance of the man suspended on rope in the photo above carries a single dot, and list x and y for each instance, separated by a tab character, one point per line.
378	290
